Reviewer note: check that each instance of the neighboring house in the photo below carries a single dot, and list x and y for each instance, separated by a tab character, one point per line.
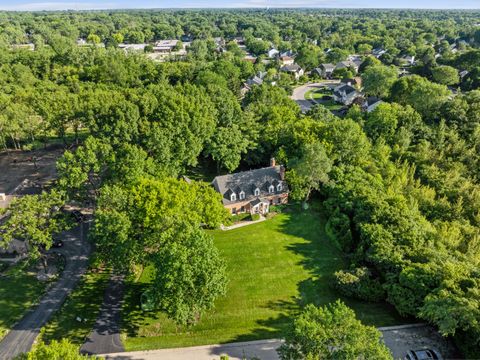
165	46
272	53
356	81
463	74
253	191
407	60
293	69
378	52
288	53
132	47
239	40
257	79
348	64
254	80
286	60
326	70
250	58
345	94
371	103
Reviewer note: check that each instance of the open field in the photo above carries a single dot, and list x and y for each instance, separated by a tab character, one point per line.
274	268
19	290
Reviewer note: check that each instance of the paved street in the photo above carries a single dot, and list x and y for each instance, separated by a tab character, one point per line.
262	349
298	94
21	338
105	336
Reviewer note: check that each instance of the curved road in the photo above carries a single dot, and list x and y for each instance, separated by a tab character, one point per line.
298	94
76	250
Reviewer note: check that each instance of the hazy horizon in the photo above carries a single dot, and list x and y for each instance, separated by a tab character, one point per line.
19	5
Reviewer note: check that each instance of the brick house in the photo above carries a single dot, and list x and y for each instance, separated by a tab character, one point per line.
253	191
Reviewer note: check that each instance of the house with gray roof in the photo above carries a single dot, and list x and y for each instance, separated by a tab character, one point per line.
345	94
326	70
294	69
253	191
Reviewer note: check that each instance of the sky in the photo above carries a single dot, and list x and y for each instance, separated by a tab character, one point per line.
34	5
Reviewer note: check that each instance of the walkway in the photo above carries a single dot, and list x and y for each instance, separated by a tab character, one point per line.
105	336
262	349
242	224
21	338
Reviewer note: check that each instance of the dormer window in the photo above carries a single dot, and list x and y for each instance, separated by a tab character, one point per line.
257	192
271	189
279	187
241	195
233	197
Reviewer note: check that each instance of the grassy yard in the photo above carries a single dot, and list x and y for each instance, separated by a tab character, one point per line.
19	290
274	268
84	302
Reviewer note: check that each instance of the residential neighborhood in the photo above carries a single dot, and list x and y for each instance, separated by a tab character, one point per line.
257	183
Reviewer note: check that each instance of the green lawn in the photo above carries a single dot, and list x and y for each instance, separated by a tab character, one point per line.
19	290
317	93
84	302
274	268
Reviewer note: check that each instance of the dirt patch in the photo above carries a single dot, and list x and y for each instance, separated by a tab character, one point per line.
37	167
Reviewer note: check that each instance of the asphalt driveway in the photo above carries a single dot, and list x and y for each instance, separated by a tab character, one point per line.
76	250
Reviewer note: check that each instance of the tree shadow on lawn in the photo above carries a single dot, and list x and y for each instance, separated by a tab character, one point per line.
133	317
321	258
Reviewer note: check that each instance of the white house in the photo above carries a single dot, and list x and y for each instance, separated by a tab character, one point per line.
345	94
272	53
294	69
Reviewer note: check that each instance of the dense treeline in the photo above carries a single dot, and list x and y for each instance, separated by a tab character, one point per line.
400	184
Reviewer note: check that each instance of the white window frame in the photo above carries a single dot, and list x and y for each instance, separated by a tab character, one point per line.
257	192
279	187
271	189
241	195
233	197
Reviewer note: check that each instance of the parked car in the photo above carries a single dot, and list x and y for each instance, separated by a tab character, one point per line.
77	215
57	243
424	354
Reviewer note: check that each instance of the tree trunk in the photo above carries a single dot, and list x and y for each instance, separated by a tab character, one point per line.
44	263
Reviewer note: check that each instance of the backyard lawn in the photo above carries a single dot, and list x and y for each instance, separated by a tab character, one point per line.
19	290
274	268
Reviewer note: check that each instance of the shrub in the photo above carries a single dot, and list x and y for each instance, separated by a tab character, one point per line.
255	217
338	229
359	284
240	217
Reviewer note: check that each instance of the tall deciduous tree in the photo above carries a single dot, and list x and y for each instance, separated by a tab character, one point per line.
189	275
34	219
332	332
377	80
310	171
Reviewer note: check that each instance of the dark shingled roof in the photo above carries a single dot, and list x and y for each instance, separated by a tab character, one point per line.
248	181
347	88
291	68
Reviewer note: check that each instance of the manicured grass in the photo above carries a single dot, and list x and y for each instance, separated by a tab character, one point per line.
19	290
317	93
84	302
274	268
332	105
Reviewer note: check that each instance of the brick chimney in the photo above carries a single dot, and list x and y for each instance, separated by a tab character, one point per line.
282	172
272	161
